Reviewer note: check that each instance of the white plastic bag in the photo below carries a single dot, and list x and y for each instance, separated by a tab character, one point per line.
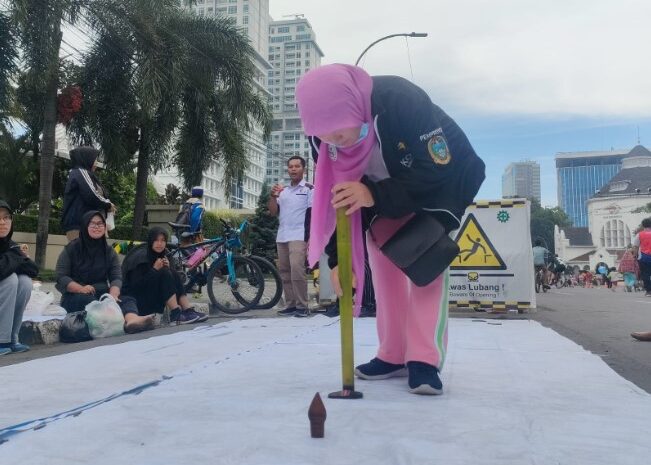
54	310
110	221
38	302
104	317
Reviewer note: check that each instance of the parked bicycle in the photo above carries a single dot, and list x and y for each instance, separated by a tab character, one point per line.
234	282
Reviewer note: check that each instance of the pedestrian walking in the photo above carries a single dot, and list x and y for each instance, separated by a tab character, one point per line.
642	240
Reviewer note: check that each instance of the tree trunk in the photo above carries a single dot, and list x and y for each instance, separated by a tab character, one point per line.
47	153
142	176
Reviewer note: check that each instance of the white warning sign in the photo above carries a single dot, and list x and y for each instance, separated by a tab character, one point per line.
494	268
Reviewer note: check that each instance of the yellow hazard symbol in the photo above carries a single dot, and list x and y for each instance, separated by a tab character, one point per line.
476	250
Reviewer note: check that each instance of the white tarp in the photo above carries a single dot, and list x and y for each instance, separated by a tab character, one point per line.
495	266
238	393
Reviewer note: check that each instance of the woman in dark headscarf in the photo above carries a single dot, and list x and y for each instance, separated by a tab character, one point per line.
88	267
16	271
150	280
83	192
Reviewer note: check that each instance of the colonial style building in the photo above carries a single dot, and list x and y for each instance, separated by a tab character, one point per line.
612	216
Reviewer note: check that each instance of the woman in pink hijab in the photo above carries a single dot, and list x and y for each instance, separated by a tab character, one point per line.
386	152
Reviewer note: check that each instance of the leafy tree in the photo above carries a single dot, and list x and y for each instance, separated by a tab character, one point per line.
172	195
543	220
644	209
164	82
262	238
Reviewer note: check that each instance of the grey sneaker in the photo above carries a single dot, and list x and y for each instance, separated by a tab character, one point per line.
180	317
201	317
301	313
289	311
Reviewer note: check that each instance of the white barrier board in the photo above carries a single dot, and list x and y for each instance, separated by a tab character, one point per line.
494	269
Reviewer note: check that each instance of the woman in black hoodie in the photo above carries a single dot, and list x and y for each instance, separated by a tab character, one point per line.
83	191
153	283
16	271
88	267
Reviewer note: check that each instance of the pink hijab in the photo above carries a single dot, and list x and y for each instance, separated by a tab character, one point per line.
330	98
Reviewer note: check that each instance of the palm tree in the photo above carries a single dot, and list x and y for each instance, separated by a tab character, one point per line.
39	32
8	56
168	83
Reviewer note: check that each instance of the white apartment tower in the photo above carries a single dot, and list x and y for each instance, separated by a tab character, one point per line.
521	179
292	52
252	16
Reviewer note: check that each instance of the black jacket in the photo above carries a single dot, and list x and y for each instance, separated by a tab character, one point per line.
431	164
83	192
14	261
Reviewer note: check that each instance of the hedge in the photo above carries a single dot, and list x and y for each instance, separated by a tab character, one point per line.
28	224
212	227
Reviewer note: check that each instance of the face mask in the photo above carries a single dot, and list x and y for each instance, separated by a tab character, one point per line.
363	133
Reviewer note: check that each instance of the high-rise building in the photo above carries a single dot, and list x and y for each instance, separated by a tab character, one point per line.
253	18
521	179
580	175
292	52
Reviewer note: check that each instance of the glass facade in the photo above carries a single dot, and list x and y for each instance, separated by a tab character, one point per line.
578	183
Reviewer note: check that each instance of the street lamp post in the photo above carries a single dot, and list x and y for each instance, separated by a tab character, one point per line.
404	34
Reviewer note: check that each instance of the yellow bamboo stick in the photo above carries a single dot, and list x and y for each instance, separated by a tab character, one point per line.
344	258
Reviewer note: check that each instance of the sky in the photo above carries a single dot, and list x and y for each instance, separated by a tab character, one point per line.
524	79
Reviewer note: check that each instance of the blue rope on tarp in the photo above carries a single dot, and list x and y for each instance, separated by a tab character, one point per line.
39	423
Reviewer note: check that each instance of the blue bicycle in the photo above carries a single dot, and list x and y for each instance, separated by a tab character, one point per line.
235	283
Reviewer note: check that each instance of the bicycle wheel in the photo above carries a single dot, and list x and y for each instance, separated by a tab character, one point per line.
538	282
273	283
240	295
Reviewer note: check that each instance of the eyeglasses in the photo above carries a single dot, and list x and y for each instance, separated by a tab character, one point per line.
96	224
5	219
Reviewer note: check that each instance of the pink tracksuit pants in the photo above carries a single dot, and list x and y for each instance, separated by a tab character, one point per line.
412	321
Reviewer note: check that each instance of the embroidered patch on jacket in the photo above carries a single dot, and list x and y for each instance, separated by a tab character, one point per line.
439	150
332	152
402	146
407	160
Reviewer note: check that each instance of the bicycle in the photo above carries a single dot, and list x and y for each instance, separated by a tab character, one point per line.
235	283
540	279
273	283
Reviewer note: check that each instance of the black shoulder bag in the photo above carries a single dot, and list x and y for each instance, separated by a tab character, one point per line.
420	248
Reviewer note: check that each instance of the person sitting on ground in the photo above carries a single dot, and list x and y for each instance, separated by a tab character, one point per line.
83	192
614	277
629	266
88	268
153	283
16	271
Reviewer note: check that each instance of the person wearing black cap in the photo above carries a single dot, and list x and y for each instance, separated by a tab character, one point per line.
83	191
16	271
88	267
153	283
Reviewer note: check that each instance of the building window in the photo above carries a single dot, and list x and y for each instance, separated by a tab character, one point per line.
209	11
283	30
300	28
200	11
246	9
245	20
615	235
232	10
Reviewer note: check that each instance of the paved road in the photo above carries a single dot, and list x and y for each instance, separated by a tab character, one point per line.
601	321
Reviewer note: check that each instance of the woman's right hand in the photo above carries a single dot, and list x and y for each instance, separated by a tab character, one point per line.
88	289
159	263
336	285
